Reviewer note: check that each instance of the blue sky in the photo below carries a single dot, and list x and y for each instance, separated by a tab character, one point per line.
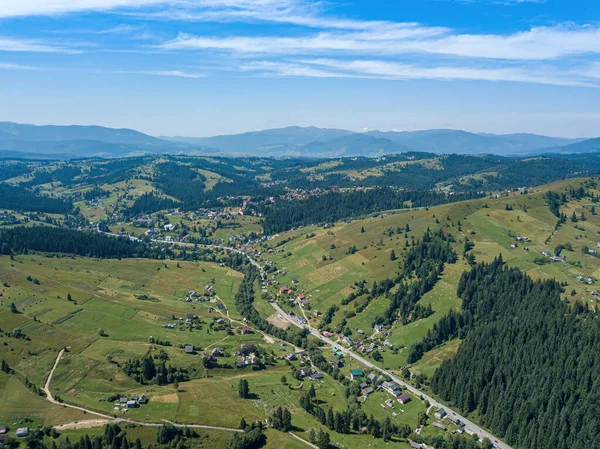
206	67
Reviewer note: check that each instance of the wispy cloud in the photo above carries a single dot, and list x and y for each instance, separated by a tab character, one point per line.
305	40
539	43
170	73
10	44
12	66
377	69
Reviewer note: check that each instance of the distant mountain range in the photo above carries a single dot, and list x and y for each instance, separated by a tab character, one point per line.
67	142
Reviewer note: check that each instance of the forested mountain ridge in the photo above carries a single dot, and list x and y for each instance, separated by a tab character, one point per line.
294	141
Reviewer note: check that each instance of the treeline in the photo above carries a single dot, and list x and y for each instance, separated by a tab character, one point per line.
114	437
21	240
149	203
22	200
335	206
528	365
425	261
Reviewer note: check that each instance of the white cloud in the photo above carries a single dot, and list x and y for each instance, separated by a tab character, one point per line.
171	73
11	66
316	44
541	43
332	68
35	46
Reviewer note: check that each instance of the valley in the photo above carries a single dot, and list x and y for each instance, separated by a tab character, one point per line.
176	293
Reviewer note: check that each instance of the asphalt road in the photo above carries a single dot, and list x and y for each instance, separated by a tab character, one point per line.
469	425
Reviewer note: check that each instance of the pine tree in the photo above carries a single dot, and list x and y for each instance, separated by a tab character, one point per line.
323	440
243	389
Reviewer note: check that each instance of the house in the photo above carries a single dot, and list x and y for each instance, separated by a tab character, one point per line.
134	397
356	374
372	377
189	349
220	321
244	330
367	391
132	404
378	327
316	376
217	352
123	400
247	349
2	430
360	331
143	400
404	398
337	363
513	244
440	413
456	421
23	431
303	372
414	445
190	316
392	388
169	227
438	425
291	356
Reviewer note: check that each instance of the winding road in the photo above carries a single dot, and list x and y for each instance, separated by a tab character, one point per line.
469	426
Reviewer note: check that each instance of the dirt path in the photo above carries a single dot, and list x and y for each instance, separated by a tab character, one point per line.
107	418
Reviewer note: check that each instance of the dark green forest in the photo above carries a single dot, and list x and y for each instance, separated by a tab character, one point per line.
22	239
334	206
23	200
529	364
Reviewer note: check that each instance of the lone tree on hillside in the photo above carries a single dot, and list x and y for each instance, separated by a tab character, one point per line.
243	389
13	308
